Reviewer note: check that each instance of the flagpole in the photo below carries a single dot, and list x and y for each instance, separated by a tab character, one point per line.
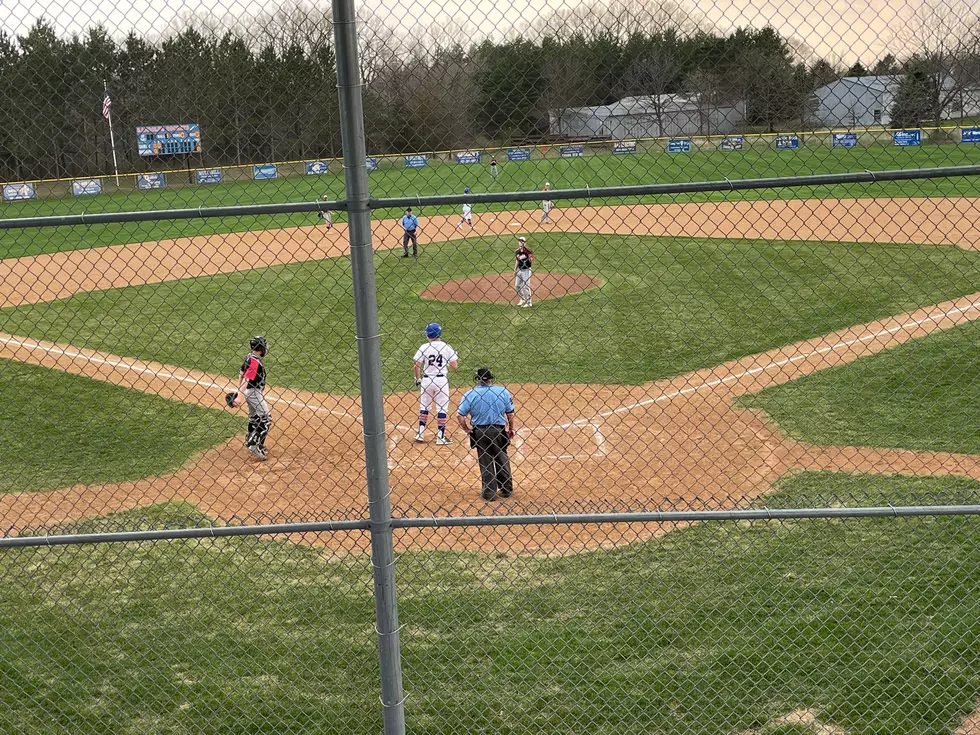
112	137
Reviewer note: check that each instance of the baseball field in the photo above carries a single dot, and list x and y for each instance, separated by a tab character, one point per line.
795	348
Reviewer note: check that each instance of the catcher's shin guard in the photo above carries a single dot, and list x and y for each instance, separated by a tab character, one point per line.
251	434
263	424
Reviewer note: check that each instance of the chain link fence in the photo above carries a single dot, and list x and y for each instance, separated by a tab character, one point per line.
565	367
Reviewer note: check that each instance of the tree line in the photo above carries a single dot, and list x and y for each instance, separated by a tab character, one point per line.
267	91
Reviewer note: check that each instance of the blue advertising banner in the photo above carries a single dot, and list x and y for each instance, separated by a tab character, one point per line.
145	182
907	138
210	176
679	145
732	143
571	151
624	147
372	164
316	168
468	157
12	192
416	161
86	187
518	154
844	140
265	171
970	135
787	142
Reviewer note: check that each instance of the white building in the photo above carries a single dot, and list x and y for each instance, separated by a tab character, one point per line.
659	116
855	102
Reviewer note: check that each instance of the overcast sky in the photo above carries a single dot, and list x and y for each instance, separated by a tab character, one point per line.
845	29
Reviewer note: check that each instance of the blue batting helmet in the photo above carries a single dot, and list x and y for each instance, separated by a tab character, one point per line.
466	190
433	330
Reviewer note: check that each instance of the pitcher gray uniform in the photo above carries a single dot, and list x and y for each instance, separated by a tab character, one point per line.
523	259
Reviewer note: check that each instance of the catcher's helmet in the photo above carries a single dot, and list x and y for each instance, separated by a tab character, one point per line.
433	330
483	375
259	343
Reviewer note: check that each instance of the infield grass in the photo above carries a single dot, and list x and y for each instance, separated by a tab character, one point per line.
668	306
445	178
924	394
57	430
718	628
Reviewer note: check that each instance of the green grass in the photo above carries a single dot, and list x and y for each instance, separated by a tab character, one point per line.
57	430
718	628
921	395
668	306
446	178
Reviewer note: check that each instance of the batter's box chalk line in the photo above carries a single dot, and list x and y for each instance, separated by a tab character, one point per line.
574	442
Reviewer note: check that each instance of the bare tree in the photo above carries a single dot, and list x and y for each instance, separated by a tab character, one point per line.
945	38
653	75
702	85
621	19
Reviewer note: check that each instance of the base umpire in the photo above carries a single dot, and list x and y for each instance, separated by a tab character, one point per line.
491	410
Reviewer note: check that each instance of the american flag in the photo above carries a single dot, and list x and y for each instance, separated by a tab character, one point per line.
106	105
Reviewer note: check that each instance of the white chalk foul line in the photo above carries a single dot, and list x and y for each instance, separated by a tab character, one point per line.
599	438
762	368
142	369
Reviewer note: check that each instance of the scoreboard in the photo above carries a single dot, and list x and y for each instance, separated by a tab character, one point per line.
168	140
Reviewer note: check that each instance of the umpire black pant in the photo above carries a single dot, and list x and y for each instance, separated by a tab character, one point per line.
410	235
491	443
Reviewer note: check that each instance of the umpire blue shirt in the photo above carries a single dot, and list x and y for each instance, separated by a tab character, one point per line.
486	405
410	222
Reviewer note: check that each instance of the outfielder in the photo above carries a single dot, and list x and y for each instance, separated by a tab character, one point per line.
433	361
251	389
326	213
493	167
467	212
546	206
523	259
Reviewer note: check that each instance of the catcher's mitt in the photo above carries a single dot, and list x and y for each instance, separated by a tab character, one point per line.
230	398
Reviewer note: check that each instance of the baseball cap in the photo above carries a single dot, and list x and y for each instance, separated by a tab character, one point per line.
522	239
466	190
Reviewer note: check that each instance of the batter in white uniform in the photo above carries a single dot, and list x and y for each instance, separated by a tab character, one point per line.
433	361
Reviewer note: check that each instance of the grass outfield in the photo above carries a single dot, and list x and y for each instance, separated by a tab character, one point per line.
717	628
668	306
921	395
445	178
57	430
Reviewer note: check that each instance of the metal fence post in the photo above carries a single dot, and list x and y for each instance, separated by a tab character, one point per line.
369	362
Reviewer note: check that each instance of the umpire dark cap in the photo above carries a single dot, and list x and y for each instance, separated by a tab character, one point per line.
483	375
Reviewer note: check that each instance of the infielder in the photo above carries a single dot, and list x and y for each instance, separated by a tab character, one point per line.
467	212
523	259
546	206
433	361
326	213
251	389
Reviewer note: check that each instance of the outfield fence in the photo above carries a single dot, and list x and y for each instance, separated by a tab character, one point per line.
730	479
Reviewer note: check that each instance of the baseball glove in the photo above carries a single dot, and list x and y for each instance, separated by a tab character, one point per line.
230	398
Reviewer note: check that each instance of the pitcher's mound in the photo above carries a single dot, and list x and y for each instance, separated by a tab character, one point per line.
499	288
